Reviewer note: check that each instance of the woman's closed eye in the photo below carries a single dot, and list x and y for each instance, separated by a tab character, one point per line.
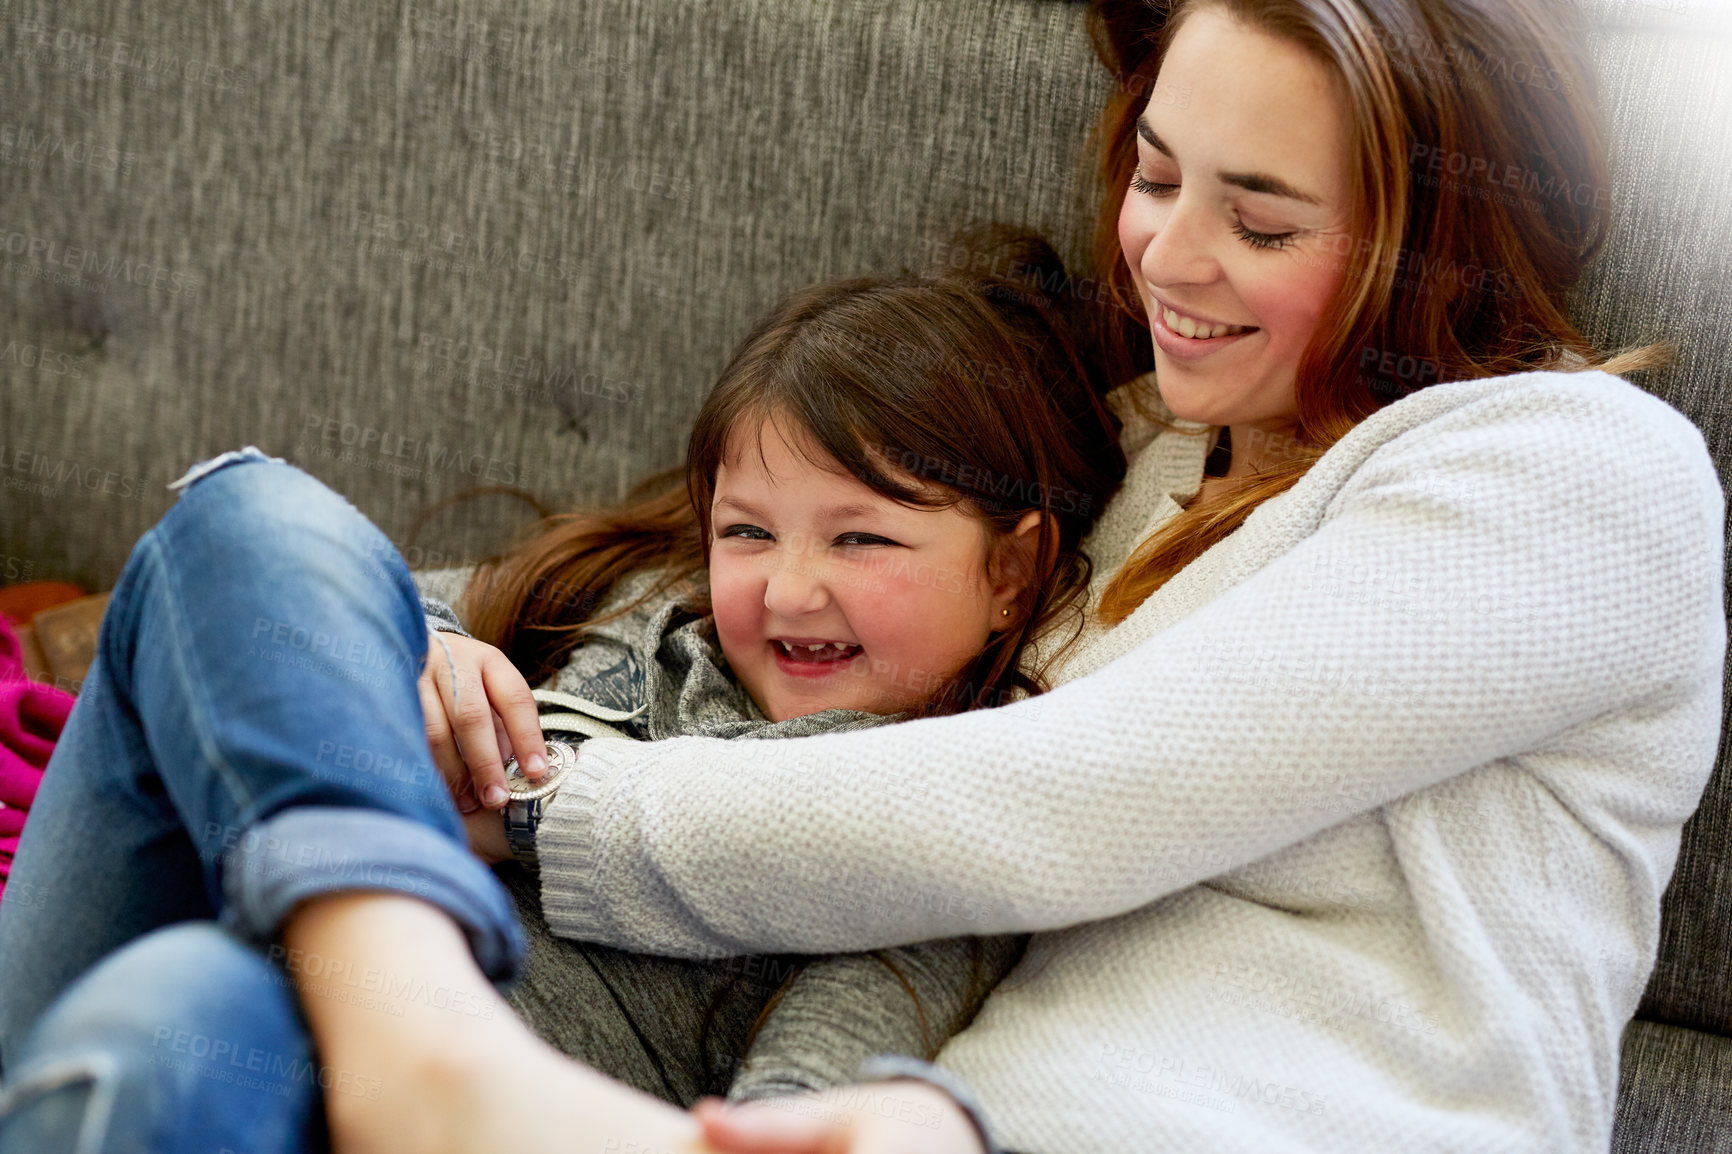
1250	236
1149	187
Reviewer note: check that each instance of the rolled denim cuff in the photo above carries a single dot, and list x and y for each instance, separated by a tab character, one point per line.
883	1067
308	851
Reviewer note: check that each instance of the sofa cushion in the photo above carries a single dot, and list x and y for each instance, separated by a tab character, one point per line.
1674	1091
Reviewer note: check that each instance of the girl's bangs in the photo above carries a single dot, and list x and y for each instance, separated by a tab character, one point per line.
838	429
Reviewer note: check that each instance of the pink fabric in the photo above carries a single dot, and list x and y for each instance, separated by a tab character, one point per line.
31	717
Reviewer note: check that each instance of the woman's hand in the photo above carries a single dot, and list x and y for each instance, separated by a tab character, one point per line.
899	1117
477	721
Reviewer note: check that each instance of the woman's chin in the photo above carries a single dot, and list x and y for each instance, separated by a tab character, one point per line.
1185	401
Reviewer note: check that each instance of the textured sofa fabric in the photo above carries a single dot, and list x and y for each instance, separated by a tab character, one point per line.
1672	1091
580	208
417	248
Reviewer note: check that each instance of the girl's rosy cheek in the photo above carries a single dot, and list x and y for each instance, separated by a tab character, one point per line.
731	599
908	618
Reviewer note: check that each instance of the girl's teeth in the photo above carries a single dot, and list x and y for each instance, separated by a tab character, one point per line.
1186	327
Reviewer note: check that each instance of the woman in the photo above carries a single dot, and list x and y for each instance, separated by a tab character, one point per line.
1359	841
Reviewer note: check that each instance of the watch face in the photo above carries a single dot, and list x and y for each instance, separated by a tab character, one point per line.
560	758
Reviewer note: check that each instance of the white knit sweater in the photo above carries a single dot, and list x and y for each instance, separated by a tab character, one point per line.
1351	838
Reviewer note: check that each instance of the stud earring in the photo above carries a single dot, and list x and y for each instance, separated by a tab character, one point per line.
1005	611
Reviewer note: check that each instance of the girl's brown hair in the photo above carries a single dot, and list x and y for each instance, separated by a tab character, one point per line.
1481	188
954	388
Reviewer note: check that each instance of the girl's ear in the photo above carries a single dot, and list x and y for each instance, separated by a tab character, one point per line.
1016	565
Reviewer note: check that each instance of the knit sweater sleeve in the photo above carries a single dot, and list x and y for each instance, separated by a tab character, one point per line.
1544	556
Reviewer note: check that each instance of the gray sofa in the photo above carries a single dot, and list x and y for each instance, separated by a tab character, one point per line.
418	248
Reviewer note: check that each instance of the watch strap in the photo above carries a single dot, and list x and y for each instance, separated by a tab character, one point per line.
521	821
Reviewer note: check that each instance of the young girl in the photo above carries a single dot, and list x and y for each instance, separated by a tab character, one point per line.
883	501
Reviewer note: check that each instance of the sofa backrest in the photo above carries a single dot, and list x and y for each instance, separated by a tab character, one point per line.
425	247
419	248
1666	272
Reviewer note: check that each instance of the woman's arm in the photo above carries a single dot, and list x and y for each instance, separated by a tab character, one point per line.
1535	554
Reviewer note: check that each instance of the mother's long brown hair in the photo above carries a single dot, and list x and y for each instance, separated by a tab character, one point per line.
1481	188
950	388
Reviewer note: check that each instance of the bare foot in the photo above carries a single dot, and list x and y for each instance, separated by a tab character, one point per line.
420	1055
499	1089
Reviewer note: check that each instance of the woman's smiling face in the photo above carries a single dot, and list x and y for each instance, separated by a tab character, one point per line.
1237	215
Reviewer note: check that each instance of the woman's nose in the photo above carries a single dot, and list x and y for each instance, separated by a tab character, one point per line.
1179	250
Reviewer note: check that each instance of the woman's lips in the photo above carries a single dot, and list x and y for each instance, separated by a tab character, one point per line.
1189	348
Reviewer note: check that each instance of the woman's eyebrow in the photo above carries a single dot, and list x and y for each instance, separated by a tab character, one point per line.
1249	181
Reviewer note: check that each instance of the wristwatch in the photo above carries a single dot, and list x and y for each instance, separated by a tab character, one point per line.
529	800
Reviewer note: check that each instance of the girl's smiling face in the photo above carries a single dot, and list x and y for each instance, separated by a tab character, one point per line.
900	598
1237	216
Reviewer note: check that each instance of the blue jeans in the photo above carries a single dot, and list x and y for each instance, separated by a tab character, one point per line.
249	735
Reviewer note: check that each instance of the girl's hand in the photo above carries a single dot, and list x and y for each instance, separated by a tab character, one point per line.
494	715
486	832
901	1117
